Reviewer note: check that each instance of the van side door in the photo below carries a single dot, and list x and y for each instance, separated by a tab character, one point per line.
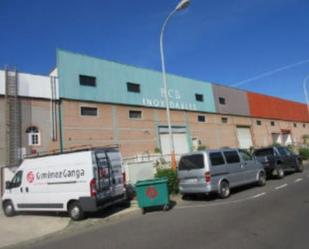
218	167
251	167
234	167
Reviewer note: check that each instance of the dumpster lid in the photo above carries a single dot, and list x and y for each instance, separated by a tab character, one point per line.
151	181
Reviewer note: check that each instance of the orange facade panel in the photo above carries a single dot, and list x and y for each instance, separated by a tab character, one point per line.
275	108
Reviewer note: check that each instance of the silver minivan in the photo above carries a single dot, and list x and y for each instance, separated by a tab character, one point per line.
218	171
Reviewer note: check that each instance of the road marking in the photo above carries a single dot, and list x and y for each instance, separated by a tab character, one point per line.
258	195
298	179
281	186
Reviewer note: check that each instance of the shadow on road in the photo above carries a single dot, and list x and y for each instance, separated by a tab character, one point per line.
109	211
171	205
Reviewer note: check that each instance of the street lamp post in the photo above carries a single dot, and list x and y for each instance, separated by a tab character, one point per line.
181	5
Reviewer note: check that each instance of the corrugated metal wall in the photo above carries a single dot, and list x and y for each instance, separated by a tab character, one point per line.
275	108
111	84
236	100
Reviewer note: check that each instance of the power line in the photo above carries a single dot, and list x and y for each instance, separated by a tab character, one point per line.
268	73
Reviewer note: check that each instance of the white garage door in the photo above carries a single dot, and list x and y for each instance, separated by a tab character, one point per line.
244	137
286	139
180	143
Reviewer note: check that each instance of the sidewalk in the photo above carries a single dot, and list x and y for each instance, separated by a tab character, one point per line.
26	227
22	228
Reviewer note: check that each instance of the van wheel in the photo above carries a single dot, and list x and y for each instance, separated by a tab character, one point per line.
262	179
8	209
224	190
75	211
279	173
299	166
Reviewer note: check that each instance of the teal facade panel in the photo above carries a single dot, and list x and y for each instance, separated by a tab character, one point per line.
111	84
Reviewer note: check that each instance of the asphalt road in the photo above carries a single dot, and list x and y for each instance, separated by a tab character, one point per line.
274	216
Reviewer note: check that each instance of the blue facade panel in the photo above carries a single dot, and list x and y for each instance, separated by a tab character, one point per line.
111	84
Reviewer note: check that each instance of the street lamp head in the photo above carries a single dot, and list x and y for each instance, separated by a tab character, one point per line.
182	5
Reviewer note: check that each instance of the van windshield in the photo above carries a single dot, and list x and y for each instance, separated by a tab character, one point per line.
191	162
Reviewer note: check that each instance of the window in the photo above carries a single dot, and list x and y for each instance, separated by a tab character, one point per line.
245	155
85	80
132	87
201	118
191	162
222	100
304	125
224	120
135	114
88	111
283	151
295	125
17	179
216	158
33	136
272	123
258	122
199	97
264	152
231	156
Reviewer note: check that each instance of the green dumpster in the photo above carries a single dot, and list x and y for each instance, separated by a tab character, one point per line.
152	193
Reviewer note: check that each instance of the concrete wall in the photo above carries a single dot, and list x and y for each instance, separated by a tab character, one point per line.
30	85
2	82
37	113
236	100
36	86
2	132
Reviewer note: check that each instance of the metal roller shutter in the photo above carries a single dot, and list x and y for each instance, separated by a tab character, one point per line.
244	137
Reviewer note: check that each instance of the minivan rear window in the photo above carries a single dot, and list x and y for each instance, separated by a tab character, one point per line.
231	156
191	162
264	152
216	158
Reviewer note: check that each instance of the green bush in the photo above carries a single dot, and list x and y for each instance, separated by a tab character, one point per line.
304	153
202	147
277	145
157	150
172	179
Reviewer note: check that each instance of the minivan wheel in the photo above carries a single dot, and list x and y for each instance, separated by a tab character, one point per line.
75	211
299	166
279	173
8	209
262	179
224	190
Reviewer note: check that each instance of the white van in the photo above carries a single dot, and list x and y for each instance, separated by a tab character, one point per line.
74	182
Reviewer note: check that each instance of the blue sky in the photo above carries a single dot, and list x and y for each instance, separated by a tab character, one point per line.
220	41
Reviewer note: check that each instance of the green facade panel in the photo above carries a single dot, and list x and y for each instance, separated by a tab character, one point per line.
111	84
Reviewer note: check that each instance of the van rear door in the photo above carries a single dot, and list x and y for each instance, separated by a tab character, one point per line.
103	175
117	184
191	169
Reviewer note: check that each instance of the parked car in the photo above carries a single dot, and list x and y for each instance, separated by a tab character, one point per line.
278	159
75	182
218	171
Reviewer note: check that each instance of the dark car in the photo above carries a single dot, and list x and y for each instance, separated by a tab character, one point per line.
278	159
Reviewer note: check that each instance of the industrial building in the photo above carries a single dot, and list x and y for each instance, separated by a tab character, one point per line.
88	101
